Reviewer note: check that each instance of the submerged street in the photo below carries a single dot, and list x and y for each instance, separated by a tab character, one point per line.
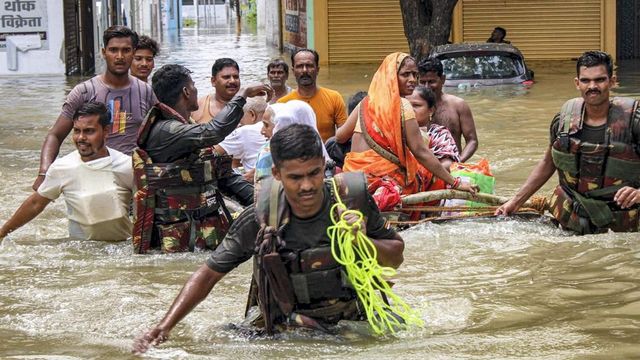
486	289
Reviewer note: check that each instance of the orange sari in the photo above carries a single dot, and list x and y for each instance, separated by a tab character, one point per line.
383	116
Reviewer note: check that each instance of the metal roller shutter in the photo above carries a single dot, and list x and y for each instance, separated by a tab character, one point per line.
364	30
541	29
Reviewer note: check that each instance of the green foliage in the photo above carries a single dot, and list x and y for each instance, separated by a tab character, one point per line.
250	12
188	22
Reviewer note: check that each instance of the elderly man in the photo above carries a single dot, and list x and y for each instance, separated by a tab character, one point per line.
595	146
245	142
96	182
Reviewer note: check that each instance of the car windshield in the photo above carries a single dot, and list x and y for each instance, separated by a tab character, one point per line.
481	66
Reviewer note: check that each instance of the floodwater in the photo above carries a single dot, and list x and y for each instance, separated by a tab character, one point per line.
486	290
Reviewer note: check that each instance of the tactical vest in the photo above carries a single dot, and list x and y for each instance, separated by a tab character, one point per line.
591	174
306	288
177	206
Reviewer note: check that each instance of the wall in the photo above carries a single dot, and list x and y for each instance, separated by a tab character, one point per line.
261	11
46	61
269	20
294	29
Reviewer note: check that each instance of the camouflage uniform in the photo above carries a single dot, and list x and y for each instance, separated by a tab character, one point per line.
177	205
591	174
308	288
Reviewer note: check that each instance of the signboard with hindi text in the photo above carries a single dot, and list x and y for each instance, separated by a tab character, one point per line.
23	17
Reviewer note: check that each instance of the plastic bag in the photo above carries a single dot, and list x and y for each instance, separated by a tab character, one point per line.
478	174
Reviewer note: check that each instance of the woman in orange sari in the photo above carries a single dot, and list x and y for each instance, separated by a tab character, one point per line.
387	144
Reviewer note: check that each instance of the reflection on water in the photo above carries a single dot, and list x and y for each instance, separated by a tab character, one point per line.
486	290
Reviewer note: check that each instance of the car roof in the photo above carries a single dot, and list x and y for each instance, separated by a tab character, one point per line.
475	47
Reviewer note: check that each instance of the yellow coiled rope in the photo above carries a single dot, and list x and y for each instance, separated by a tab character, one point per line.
356	252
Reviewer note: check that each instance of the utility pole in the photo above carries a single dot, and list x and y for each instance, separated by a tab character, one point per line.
196	3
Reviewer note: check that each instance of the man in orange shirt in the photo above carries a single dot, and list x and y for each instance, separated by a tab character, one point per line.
328	104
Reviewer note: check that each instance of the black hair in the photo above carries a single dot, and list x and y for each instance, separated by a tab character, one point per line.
315	55
502	30
169	81
429	65
296	141
427	95
94	108
278	63
595	58
147	43
119	31
355	99
223	63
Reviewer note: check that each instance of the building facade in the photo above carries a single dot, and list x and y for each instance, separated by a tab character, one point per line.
341	31
31	37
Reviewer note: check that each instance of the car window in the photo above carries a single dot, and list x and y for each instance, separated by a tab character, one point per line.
482	66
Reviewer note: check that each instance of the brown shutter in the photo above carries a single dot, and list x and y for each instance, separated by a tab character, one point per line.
364	30
541	29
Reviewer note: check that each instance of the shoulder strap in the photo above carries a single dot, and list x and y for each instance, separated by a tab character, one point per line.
571	115
625	108
271	207
145	127
273	204
570	120
373	144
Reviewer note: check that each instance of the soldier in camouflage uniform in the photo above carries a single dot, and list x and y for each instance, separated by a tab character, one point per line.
299	283
179	178
595	146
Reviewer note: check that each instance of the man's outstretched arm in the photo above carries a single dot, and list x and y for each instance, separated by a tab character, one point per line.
538	177
29	209
51	146
194	291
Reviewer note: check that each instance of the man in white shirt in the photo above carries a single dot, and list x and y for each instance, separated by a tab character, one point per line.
244	143
96	182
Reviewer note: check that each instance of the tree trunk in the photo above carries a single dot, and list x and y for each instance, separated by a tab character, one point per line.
427	23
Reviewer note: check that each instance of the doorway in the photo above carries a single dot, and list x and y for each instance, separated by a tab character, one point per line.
78	37
628	29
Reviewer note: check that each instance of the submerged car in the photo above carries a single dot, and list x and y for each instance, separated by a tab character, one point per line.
476	64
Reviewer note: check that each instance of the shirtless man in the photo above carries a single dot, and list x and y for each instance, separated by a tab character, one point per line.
451	112
225	79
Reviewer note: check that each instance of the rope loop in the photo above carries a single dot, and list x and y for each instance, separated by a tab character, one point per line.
352	249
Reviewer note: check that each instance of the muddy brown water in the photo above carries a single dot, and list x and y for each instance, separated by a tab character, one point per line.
486	289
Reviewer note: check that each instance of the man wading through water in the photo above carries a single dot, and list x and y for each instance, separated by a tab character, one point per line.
179	179
595	146
300	257
127	98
